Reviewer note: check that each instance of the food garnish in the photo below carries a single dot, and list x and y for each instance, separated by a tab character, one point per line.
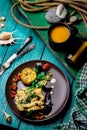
28	75
34	99
53	80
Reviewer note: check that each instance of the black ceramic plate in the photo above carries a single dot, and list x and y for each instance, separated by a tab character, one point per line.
60	91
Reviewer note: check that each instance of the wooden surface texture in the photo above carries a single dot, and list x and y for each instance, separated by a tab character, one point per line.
41	51
38	19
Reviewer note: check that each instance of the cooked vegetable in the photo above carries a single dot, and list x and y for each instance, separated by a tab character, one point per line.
29	99
46	66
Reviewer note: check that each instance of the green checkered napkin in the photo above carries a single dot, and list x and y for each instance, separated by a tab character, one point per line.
78	118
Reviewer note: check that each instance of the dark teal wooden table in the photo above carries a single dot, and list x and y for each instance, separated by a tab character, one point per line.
40	52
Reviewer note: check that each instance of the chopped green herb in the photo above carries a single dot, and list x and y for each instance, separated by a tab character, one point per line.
28	99
23	102
40	76
29	112
39	85
33	95
36	70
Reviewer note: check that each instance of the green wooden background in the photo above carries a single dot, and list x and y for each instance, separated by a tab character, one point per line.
38	19
41	51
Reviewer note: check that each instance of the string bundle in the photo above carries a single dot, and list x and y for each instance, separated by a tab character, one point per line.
43	5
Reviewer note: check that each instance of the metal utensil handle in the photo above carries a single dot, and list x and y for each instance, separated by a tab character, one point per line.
31	47
7	63
25	43
10	60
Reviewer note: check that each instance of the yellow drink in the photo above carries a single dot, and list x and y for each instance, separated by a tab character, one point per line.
60	34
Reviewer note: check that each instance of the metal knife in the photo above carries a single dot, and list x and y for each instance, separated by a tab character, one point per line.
17	54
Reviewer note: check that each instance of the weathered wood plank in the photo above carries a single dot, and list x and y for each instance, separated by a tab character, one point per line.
9	26
7	51
40	52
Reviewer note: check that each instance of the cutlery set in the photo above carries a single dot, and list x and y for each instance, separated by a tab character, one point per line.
17	54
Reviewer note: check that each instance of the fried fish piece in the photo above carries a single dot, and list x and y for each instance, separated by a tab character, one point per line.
28	75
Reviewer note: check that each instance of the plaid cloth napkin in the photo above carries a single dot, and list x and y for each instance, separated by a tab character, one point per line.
78	118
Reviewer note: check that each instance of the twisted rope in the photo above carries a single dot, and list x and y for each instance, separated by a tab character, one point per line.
43	5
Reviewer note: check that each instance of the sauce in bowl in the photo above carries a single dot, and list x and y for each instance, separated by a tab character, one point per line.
60	34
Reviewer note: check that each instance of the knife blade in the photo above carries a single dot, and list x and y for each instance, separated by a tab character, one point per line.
15	55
